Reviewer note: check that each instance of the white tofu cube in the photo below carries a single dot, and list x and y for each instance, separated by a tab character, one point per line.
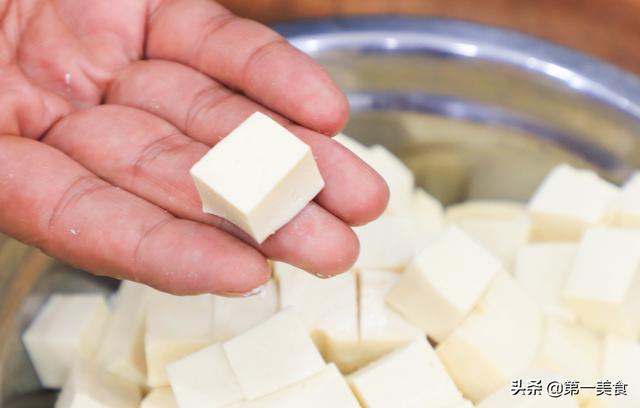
428	216
625	210
353	145
620	363
498	210
463	404
67	328
502	238
258	177
505	398
382	330
570	351
377	251
496	342
443	283
542	270
322	390
159	398
412	376
175	327
603	287
235	315
121	351
90	387
204	379
272	355
398	177
568	201
327	308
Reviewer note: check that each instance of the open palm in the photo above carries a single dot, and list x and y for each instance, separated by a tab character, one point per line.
106	104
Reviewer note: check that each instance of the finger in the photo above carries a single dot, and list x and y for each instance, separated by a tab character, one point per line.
207	111
50	201
248	56
150	158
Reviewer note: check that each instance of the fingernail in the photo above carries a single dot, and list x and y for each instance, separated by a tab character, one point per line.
255	291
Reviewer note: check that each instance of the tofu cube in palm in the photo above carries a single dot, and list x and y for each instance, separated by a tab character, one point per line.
258	177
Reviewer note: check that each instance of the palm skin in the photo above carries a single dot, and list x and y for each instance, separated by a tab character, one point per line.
108	103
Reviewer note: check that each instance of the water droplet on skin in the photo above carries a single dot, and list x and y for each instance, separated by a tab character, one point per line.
67	79
74	231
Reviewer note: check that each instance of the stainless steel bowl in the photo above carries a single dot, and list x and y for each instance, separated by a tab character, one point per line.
475	112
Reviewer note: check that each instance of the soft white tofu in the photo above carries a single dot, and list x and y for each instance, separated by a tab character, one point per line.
353	145
204	379
90	387
68	328
603	287
570	351
505	398
399	178
625	210
121	350
443	283
542	270
235	315
620	363
428	216
568	201
498	210
175	327
463	404
497	341
382	330
378	251
275	354
159	398
258	177
327	308
326	389
412	376
502	238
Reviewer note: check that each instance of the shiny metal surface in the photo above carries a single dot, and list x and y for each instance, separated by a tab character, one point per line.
474	111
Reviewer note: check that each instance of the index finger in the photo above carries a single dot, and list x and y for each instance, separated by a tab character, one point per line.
248	56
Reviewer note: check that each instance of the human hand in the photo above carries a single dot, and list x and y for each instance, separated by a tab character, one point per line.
106	106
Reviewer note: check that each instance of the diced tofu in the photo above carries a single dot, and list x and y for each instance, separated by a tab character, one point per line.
232	316
204	379
496	342
620	363
121	351
90	387
356	147
175	327
398	177
501	238
463	404
542	270
443	283
273	355
570	351
625	210
505	398
326	389
568	201
382	330
497	210
67	328
159	398
603	287
428	217
328	309
409	377
258	177
378	251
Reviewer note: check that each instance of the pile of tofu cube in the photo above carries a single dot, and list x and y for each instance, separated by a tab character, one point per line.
444	308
